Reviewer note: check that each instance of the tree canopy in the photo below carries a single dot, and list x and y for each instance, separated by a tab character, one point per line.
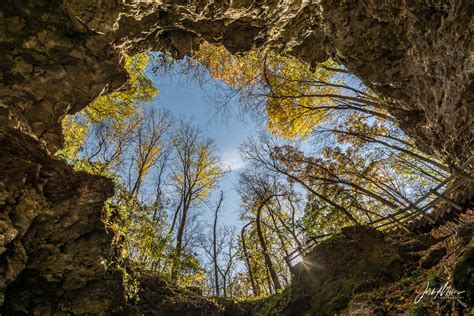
330	156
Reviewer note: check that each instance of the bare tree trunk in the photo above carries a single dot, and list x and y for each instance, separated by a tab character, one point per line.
266	255
280	236
224	281
269	280
255	290
398	148
291	231
214	247
179	242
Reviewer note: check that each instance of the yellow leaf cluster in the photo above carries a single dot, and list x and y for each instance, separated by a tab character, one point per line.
148	157
297	98
74	133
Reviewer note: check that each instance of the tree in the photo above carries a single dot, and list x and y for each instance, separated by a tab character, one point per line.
214	244
246	254
295	97
227	264
115	107
195	174
356	182
221	248
258	190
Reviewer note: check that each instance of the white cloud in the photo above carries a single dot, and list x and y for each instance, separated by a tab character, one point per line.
231	158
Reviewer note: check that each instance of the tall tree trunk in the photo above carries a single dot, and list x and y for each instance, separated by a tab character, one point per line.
214	247
398	148
280	237
179	242
269	281
255	290
224	284
266	255
286	226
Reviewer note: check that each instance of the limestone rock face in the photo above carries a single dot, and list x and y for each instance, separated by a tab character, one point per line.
417	54
54	248
49	68
355	261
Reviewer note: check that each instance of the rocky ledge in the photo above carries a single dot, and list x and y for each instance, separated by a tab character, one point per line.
55	251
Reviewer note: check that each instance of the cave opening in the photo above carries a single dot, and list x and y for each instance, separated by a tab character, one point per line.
360	172
202	147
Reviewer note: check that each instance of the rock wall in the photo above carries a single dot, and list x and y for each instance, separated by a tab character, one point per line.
417	54
49	68
54	249
362	272
357	260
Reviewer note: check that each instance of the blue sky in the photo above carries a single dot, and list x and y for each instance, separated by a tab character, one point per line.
186	98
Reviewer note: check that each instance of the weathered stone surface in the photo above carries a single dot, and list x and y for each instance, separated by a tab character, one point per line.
357	260
463	275
418	54
55	249
158	298
454	255
50	68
